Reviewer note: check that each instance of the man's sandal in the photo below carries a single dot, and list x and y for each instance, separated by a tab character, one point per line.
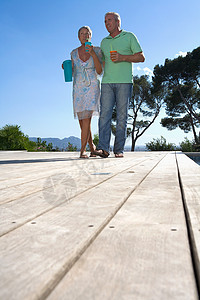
92	154
101	153
119	155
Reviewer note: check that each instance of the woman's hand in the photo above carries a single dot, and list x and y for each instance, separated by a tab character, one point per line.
90	50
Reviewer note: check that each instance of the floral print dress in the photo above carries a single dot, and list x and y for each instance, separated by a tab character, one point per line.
86	86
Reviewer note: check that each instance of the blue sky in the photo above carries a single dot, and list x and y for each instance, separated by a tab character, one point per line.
37	36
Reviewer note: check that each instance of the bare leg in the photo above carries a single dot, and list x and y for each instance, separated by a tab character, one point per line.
90	141
85	133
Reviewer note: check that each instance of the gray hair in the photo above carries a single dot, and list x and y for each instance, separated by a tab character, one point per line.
116	16
85	27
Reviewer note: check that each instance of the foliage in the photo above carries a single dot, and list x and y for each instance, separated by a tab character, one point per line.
12	138
187	146
179	80
96	139
50	147
41	146
30	146
70	147
191	71
160	145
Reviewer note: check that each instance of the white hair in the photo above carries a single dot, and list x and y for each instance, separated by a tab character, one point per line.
116	16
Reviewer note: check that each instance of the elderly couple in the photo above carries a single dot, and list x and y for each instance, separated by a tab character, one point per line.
115	56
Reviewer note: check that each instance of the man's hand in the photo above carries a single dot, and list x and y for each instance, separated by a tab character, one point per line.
135	58
115	56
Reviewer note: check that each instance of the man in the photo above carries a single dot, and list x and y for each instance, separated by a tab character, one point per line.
116	87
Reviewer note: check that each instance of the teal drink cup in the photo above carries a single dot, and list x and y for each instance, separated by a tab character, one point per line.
86	48
67	65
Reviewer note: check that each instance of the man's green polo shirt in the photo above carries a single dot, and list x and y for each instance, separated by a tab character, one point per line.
125	43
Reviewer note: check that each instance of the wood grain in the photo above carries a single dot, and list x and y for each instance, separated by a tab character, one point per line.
143	253
190	181
35	256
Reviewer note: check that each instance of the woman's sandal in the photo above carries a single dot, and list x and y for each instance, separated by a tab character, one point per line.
84	156
101	153
119	155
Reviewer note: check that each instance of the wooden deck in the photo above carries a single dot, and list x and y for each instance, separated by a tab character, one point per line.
100	228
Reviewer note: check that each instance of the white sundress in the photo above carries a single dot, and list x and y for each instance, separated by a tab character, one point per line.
86	86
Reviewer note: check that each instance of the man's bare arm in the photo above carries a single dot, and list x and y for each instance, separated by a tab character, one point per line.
134	58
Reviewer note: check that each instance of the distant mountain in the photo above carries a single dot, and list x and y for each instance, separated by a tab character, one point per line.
60	143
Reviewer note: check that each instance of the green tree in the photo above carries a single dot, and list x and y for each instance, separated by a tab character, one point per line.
179	115
179	79
12	138
191	71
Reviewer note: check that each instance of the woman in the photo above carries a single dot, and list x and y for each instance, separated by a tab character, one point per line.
86	89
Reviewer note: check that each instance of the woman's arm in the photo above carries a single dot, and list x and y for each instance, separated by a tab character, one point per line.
97	63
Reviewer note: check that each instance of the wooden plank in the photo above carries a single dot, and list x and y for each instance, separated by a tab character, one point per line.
143	253
35	256
21	172
24	182
190	181
59	189
36	180
14	174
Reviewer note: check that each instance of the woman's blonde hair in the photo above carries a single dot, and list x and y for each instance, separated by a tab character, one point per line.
85	27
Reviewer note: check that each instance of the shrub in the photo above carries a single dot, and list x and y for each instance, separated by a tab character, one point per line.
71	148
160	145
96	139
189	146
12	138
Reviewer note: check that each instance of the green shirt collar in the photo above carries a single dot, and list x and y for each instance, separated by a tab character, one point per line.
117	36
